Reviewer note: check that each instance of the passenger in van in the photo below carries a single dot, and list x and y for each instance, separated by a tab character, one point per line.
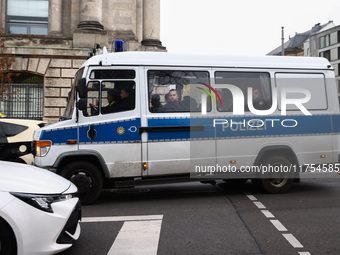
190	104
127	100
227	100
258	102
156	105
112	98
166	98
174	105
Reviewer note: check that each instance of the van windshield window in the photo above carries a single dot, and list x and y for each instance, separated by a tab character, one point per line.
177	91
72	96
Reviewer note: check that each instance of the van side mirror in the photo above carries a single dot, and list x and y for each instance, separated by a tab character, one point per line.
81	104
82	88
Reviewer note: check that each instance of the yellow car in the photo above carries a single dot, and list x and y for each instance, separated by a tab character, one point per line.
16	137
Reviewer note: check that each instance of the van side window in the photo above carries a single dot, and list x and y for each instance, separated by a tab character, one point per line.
177	91
259	82
113	92
314	83
93	89
117	96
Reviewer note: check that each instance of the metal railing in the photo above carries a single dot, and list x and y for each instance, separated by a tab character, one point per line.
26	98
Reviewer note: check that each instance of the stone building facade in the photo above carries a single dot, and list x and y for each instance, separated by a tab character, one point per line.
50	39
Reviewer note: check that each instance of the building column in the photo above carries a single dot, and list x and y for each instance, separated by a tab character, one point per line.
151	23
90	15
55	14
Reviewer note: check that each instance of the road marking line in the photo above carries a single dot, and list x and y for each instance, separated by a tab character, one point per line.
278	225
293	241
137	237
122	218
259	205
251	197
268	214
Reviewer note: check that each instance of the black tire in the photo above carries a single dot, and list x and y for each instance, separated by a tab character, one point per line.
7	240
87	178
277	182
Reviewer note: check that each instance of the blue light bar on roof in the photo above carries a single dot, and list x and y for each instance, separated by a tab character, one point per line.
119	46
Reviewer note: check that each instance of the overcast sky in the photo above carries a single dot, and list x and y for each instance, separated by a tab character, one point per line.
243	27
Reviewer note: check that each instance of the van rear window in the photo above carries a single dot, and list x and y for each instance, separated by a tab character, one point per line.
314	83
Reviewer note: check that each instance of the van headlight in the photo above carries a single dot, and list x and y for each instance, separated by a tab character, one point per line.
42	148
42	202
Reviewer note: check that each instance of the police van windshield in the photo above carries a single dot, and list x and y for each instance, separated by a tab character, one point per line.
72	97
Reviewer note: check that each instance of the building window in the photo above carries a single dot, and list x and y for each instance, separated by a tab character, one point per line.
338	36
328	40
26	97
27	17
325	54
324	41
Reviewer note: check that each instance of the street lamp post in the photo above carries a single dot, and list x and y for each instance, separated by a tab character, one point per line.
282	42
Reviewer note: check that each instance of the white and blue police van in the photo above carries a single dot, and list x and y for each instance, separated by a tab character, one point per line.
138	118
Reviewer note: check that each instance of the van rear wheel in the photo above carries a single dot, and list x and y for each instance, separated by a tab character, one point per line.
87	178
277	179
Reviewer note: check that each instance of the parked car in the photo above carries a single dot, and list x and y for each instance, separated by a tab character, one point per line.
39	210
16	137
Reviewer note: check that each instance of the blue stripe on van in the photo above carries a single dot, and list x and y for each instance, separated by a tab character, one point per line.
242	127
275	126
207	133
336	123
108	132
60	135
125	131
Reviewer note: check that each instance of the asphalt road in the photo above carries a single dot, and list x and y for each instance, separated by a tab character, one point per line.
195	218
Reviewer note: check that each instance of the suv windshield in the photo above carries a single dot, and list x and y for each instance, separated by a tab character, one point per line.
72	97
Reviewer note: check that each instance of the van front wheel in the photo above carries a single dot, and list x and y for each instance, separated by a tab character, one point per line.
278	178
87	178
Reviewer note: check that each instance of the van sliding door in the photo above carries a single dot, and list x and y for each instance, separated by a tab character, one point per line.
177	137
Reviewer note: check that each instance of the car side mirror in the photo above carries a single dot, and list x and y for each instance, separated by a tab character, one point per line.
82	88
